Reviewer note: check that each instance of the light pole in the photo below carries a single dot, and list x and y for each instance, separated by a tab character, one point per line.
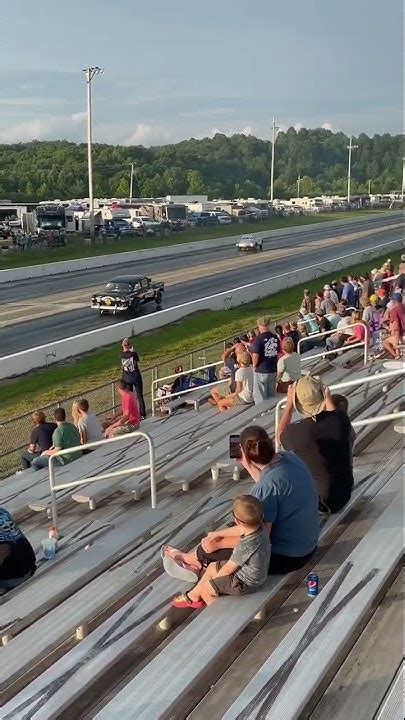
299	178
350	147
131	182
274	130
90	73
369	186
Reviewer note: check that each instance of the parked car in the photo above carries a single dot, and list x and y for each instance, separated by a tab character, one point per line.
126	293
203	219
249	242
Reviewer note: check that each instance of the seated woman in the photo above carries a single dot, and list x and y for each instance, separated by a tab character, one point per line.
243	394
360	332
288	366
17	558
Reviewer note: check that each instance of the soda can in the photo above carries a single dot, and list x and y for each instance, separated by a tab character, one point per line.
312	585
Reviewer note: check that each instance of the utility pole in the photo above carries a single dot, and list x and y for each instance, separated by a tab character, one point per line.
403	181
131	182
298	185
350	148
369	186
273	143
90	73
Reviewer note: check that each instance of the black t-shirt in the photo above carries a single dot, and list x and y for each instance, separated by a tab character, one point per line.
129	364
324	445
42	435
21	560
266	345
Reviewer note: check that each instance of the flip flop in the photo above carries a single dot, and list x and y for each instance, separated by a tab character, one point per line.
183	602
179	572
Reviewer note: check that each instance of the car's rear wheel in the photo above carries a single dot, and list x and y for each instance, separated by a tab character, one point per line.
134	309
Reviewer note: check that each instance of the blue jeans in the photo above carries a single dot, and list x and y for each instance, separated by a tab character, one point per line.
40	462
12	583
264	386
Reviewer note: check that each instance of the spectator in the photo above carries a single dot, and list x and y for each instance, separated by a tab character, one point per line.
360	332
129	419
89	425
333	317
343	332
323	322
342	308
353	279
17	558
243	394
337	288
318	300
40	440
131	374
75	412
367	287
327	303
295	333
367	310
229	359
382	298
278	329
375	322
221	392
348	292
245	569
396	326
287	492
321	440
307	303
288	366
331	293
65	436
264	359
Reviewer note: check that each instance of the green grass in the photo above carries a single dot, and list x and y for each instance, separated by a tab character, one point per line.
76	248
85	372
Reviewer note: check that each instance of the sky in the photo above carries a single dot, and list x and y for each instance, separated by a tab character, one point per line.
181	69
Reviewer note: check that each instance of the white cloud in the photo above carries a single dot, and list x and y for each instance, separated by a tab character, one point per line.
79	117
248	131
145	134
327	126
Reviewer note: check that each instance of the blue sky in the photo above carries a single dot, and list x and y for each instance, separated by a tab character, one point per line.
181	69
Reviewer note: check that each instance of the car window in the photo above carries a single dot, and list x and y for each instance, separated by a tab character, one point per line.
120	287
144	282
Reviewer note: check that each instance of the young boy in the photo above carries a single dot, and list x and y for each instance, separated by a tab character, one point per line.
246	566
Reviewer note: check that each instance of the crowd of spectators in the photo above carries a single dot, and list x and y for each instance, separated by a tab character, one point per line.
275	529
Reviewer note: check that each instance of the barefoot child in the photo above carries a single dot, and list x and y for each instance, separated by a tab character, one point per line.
246	559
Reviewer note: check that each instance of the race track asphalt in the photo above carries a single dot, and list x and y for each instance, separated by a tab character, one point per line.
23	335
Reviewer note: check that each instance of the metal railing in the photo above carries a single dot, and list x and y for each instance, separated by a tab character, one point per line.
322	353
341	386
183	373
118	473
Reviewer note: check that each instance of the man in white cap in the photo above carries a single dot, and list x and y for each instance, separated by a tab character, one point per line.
322	439
329	292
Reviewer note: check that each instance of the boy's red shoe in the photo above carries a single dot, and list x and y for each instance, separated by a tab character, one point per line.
183	601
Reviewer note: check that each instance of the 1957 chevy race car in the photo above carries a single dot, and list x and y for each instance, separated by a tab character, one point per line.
126	293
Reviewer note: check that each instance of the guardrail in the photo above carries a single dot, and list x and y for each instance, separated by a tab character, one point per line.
341	386
118	473
323	353
183	373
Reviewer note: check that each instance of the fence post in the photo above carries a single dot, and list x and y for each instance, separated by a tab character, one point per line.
113	394
191	360
53	495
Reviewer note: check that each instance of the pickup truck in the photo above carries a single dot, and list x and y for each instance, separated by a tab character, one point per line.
126	294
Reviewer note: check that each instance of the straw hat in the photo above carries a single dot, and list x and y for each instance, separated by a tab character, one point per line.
309	397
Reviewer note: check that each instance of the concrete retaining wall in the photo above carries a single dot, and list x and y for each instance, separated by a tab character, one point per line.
57	268
23	362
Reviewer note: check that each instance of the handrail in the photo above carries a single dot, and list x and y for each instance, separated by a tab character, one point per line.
339	386
361	343
183	373
381	418
95	478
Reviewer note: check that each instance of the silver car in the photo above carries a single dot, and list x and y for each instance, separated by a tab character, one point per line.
249	242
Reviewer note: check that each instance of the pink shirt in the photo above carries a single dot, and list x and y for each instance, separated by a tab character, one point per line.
130	408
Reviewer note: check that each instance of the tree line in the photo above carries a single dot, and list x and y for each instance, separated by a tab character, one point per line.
221	166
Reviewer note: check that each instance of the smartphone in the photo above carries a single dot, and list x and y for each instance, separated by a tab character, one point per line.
235	451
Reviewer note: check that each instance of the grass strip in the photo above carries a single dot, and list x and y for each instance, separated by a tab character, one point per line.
80	374
76	248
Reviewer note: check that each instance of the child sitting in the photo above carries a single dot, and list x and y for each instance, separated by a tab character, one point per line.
245	562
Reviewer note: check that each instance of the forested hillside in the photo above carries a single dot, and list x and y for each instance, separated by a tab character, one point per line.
222	166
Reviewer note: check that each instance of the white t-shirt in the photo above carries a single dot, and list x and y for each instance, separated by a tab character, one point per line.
244	375
92	425
344	326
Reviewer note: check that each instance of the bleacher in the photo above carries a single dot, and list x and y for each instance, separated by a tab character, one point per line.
93	633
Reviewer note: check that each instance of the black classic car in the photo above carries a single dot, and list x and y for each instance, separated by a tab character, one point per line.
126	293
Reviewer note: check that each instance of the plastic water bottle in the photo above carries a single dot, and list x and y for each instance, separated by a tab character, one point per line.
49	544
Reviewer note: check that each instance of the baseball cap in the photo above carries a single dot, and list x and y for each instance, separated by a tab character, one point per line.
374	299
326	287
397	297
309	397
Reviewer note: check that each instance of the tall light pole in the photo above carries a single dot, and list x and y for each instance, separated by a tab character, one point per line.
299	178
350	148
274	130
369	186
131	182
90	73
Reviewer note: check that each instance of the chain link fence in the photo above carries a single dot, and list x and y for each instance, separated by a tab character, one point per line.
15	432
